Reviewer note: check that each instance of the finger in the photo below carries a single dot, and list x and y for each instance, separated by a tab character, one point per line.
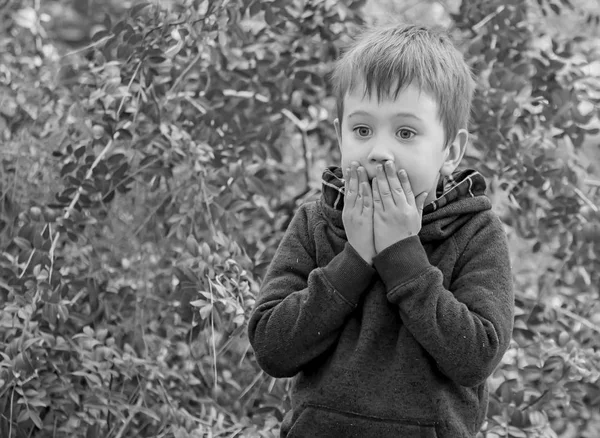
421	202
363	180
351	186
367	198
393	181
406	187
362	175
376	195
384	188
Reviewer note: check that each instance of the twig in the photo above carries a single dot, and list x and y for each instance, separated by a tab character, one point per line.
302	127
28	262
210	218
185	72
177	23
89	46
250	95
132	176
592	182
131	415
585	199
212	328
579	319
235	429
137	69
71	206
199	107
534	401
483	22
12	398
153	212
249	387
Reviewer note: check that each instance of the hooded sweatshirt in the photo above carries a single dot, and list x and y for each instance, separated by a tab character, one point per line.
401	348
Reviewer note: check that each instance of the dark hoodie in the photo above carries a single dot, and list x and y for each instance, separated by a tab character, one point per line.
402	348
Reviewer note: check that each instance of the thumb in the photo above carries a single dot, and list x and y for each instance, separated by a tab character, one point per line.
420	201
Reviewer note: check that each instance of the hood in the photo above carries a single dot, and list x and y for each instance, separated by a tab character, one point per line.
458	197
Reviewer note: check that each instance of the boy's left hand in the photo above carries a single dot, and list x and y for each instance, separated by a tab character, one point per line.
397	214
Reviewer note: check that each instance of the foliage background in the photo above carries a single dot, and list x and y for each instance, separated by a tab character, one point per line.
153	154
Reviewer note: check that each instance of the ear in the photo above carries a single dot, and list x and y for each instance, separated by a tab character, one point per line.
454	153
338	131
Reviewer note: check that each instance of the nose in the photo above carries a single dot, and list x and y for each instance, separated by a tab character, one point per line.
380	153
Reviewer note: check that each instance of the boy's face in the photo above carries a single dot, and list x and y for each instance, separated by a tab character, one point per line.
406	130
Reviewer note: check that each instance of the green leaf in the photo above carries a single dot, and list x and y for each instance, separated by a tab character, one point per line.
68	168
568	4
270	16
100	35
514	432
22	243
137	9
192	245
255	7
124	51
205	311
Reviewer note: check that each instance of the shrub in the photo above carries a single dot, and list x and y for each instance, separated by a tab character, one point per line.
148	176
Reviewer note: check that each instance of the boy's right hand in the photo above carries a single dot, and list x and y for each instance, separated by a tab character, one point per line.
357	214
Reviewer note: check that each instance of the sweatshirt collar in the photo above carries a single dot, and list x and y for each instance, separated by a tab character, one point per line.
462	184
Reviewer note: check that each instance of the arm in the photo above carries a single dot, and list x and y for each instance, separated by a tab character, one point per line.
301	308
468	328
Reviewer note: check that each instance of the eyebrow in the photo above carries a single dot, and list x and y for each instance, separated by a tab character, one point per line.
396	115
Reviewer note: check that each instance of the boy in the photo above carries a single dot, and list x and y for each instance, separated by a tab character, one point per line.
391	316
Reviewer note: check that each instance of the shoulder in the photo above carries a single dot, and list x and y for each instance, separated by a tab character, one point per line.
308	212
483	232
303	223
314	212
486	219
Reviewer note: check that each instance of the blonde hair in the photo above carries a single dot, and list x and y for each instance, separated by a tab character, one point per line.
398	55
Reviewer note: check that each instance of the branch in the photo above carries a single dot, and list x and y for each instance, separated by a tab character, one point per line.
131	415
483	22
535	400
137	69
302	127
72	205
578	318
585	199
89	46
185	72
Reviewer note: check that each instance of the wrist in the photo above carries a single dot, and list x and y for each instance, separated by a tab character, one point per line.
366	255
386	243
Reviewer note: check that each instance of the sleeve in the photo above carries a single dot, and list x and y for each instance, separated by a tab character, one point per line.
301	308
468	328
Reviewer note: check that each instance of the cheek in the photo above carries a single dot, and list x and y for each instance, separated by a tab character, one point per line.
352	152
422	176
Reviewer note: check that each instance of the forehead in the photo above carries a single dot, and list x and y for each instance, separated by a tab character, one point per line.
409	100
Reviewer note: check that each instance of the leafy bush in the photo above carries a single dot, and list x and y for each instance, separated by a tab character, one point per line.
148	176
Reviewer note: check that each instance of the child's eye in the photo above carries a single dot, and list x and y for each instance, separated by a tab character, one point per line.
406	134
362	131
